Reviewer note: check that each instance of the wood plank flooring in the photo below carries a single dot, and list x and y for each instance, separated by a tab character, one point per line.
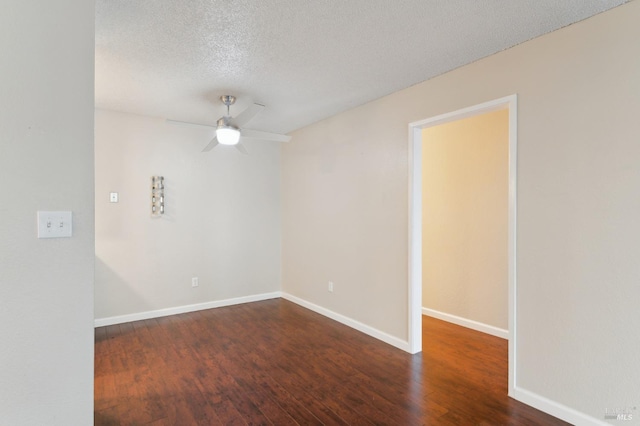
274	362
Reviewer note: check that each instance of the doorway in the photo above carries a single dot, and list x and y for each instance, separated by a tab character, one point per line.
415	219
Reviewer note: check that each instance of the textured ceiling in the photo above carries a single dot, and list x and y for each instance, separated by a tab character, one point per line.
304	60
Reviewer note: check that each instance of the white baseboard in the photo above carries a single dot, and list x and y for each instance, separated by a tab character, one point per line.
101	322
556	409
474	325
373	332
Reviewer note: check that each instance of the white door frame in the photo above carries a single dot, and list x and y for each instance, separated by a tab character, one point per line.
415	220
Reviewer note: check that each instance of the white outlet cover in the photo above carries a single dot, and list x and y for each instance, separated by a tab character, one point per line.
56	224
113	197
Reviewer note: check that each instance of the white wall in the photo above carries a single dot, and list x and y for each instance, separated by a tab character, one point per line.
345	206
465	174
222	221
46	163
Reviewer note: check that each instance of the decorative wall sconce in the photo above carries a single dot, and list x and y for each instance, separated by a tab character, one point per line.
157	195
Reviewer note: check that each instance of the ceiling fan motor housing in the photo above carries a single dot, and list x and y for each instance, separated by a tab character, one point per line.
224	122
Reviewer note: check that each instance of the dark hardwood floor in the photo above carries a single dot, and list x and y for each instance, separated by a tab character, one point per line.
274	362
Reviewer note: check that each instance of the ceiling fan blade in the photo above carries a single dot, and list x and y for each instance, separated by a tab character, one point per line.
245	116
241	148
212	144
186	123
266	136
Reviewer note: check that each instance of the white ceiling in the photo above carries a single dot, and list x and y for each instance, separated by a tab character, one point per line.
304	60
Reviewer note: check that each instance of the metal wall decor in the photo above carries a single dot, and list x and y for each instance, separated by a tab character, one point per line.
157	195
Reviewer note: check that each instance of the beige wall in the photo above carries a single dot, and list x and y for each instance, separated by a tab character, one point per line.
222	221
345	206
465	174
46	163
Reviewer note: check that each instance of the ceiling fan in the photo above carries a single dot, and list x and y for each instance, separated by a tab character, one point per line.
230	130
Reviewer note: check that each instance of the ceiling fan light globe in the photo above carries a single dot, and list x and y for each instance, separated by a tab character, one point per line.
227	135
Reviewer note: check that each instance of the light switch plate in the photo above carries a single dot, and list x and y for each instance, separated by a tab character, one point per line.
54	224
113	197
